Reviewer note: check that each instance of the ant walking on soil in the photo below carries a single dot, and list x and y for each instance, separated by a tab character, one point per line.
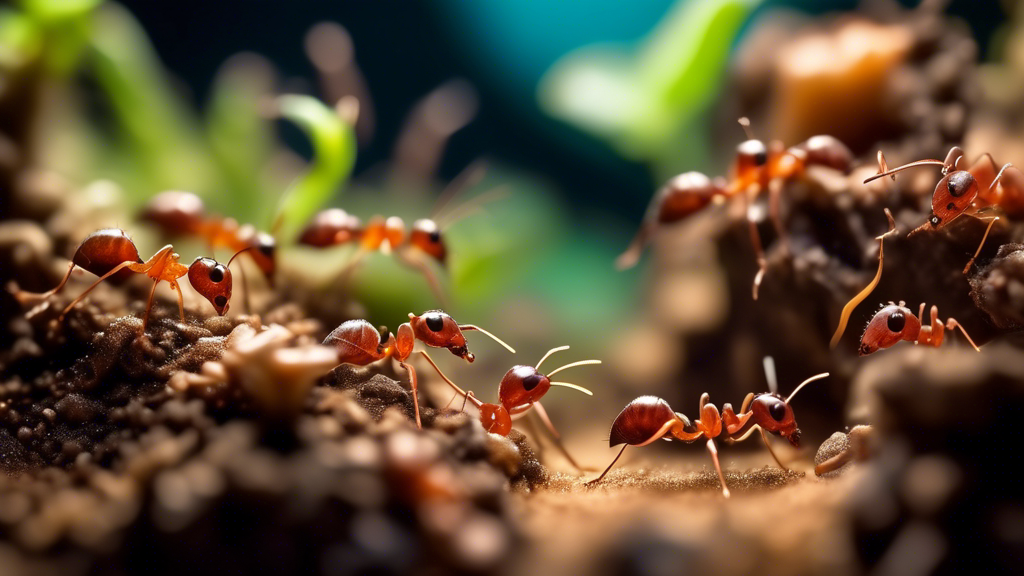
425	241
520	389
183	214
359	343
649	418
757	167
894	322
110	252
966	191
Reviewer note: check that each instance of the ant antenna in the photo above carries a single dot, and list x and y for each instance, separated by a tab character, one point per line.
805	383
769	374
574	364
745	123
550	352
999	175
472	206
228	265
844	317
902	168
468	327
574	387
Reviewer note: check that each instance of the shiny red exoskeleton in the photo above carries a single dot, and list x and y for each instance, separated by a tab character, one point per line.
520	389
895	323
649	418
110	253
757	167
359	343
183	214
967	191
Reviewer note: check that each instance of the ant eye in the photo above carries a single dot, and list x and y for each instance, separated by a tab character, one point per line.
777	411
761	158
896	321
217	274
934	220
220	301
435	236
531	381
959	183
434	321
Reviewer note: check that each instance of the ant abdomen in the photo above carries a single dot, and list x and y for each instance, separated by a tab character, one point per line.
825	150
641	419
684	195
175	212
331	227
103	250
357	342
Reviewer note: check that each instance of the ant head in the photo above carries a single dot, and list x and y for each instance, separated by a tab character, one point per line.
522	385
774	414
175	212
263	253
426	235
891	324
825	150
438	329
331	227
751	155
953	194
495	419
213	280
684	195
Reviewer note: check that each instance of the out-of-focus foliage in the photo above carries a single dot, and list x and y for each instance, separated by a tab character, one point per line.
647	102
334	156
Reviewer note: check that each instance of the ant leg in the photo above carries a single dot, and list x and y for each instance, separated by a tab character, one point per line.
345	275
746	402
555	435
775	211
422	268
149	304
464	398
415	394
459	391
115	270
835	462
181	304
631	256
606	470
983	239
844	316
952	323
768	445
755	238
713	450
25	298
245	289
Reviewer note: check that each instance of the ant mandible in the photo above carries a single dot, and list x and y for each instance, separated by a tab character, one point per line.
359	343
111	253
520	389
649	418
966	191
757	167
184	214
336	227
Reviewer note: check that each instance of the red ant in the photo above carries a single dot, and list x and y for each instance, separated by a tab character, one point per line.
520	389
966	191
649	418
111	253
184	214
336	227
757	167
359	343
894	322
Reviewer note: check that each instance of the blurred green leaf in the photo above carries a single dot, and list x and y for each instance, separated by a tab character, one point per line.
59	9
20	39
639	101
334	156
160	134
241	139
